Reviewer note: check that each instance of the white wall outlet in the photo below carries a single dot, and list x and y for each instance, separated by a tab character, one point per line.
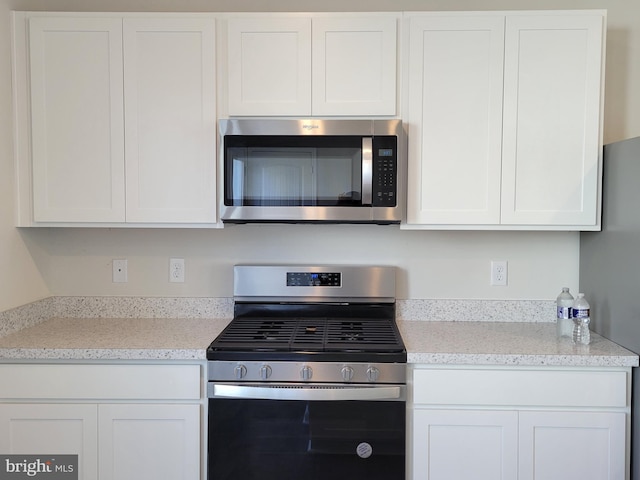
176	270
119	270
499	273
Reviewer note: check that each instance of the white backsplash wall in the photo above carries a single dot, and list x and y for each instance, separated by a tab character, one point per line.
222	308
432	265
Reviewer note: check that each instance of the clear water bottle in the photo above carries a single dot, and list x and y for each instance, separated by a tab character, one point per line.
581	319
564	303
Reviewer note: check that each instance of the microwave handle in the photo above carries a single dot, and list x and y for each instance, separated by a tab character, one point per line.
367	170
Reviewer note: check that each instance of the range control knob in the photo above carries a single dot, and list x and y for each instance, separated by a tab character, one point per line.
347	373
265	372
240	371
306	373
373	374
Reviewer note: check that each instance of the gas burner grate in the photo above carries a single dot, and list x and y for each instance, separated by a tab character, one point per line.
367	335
310	335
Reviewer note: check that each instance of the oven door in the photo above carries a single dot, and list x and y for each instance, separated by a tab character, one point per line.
306	432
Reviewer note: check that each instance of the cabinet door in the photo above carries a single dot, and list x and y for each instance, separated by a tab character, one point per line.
170	118
269	66
572	446
148	442
479	445
50	429
77	119
455	119
354	66
552	119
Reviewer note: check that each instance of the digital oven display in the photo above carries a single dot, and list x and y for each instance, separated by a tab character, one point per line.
313	279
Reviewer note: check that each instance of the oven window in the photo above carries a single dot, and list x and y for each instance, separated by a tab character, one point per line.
293	170
294	440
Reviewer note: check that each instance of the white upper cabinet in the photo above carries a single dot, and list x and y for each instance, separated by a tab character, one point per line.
122	118
552	139
504	120
170	119
298	66
269	66
354	66
454	119
77	124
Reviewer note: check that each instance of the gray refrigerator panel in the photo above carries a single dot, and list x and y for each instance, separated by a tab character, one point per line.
610	264
610	259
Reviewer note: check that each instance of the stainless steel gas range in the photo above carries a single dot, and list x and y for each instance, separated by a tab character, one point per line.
309	378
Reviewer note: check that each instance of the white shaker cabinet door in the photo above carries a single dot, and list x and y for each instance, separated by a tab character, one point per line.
458	444
77	119
354	66
50	429
455	119
269	66
149	442
572	446
552	121
170	119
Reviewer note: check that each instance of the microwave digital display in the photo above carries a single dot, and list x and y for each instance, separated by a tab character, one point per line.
385	152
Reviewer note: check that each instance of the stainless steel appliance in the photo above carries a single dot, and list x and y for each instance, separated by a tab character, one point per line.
308	380
312	170
610	265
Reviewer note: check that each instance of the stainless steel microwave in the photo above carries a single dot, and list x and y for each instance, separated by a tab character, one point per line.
312	171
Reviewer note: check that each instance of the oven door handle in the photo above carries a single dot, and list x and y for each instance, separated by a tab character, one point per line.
283	392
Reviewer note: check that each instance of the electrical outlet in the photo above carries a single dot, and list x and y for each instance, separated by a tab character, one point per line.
499	273
119	271
176	270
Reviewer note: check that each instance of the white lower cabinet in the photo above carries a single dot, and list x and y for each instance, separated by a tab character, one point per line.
147	428
572	445
524	424
45	429
149	441
450	444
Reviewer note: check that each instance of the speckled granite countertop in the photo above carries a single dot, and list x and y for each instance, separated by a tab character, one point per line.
453	343
113	339
505	343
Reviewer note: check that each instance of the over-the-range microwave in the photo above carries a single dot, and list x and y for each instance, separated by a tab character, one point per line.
312	171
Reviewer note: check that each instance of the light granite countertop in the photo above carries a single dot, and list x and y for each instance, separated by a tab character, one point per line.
506	343
113	339
444	343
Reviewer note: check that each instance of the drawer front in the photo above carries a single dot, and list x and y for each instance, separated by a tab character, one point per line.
559	388
91	382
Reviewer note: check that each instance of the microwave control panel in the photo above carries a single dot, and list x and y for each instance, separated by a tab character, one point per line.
385	171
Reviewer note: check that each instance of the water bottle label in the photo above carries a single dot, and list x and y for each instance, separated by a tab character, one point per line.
581	313
564	312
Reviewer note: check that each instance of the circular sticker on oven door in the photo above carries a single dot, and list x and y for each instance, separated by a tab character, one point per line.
364	450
